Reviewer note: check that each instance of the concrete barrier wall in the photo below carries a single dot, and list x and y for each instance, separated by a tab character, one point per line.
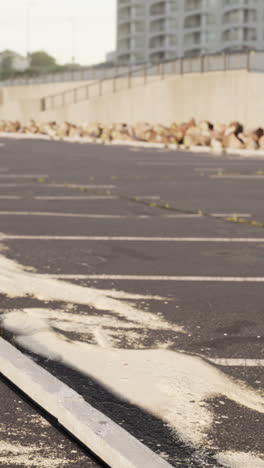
23	102
38	91
216	96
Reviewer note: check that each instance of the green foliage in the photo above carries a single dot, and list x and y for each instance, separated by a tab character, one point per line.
42	60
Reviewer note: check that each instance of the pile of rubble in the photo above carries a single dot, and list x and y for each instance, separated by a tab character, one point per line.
187	135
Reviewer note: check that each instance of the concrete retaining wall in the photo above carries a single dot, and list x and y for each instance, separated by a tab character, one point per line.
217	96
23	102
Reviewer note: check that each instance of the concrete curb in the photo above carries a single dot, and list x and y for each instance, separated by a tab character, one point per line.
101	435
140	144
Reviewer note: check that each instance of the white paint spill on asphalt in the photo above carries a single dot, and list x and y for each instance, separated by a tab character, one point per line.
170	385
16	282
240	460
22	455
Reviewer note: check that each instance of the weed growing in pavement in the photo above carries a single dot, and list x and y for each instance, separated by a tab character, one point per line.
166	206
42	180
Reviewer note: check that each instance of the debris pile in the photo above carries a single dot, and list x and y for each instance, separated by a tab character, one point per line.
187	135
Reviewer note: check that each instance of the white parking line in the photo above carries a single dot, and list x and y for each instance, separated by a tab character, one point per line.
252	240
214	215
238	176
109	216
222	279
229	215
97	432
71	186
157	163
72	215
10	197
148	197
207	169
94	197
238	362
87	197
23	176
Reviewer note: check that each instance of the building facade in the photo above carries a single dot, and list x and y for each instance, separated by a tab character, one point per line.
156	30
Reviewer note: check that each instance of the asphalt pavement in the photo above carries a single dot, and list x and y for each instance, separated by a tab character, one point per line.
139	274
28	438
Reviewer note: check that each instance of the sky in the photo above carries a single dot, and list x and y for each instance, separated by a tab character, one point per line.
47	25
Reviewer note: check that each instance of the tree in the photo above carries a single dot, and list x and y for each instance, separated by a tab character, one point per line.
42	60
6	67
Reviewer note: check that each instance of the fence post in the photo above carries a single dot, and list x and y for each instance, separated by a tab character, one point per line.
100	87
87	92
162	71
181	66
129	78
43	104
75	95
202	63
248	60
145	74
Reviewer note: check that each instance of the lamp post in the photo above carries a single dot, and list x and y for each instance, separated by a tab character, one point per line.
29	4
72	24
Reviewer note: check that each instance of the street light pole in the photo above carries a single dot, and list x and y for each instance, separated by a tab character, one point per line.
71	20
29	4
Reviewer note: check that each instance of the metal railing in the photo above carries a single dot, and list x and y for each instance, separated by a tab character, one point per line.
251	61
83	74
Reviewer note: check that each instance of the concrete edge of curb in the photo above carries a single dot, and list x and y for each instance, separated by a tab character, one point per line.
108	441
141	144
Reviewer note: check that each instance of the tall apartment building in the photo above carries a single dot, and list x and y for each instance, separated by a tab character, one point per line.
151	31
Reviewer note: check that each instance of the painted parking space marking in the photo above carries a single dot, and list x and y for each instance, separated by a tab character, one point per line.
93	197
157	163
238	176
68	186
10	197
207	169
106	216
220	279
23	176
238	362
214	215
147	197
76	198
250	240
72	215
